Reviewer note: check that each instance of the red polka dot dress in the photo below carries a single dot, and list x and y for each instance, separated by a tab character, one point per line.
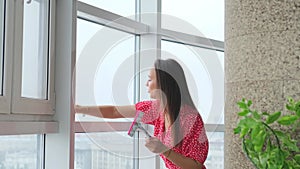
194	142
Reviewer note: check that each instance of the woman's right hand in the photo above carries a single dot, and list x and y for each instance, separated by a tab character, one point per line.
80	109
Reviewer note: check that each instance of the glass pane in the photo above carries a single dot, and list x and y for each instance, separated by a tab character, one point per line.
202	18
123	8
104	68
205	77
2	15
215	158
35	49
21	152
113	150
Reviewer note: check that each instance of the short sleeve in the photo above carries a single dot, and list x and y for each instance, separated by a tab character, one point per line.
150	109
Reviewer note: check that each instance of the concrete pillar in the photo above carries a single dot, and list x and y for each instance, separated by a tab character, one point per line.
262	50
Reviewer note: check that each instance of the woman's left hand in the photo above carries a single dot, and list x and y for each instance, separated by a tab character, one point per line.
155	145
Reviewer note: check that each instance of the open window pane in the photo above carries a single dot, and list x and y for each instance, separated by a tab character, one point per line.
205	75
35	49
113	150
124	8
202	18
2	16
104	68
21	152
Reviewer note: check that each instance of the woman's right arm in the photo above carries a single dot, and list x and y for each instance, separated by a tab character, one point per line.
107	111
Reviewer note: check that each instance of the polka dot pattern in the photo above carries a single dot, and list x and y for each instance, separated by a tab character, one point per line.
194	143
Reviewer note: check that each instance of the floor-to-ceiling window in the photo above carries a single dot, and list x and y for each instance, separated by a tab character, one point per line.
104	71
193	33
105	75
204	72
112	46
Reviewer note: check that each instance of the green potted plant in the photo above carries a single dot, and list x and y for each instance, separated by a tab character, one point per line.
270	140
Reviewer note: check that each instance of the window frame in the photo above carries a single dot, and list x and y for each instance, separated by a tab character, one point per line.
22	105
5	98
2	30
29	121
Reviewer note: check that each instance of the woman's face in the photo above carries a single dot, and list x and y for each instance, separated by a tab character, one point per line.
152	83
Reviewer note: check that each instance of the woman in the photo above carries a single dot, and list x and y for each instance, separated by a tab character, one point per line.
179	134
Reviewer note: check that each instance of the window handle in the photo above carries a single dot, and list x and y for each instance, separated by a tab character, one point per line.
28	2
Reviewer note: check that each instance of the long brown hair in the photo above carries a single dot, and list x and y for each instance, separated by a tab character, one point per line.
172	82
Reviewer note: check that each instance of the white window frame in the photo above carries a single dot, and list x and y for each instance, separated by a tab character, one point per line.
109	19
22	105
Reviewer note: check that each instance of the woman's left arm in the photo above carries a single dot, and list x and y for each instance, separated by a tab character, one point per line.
182	161
155	146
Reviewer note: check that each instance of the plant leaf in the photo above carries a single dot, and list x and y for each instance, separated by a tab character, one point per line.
263	159
273	117
243	113
291	145
280	134
287	120
297	158
249	122
242	105
298	112
291	100
249	103
255	132
289	107
256	115
297	108
237	130
260	138
297	105
244	131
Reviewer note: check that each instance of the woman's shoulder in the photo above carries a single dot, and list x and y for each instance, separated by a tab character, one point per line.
188	110
190	115
150	108
147	105
148	101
